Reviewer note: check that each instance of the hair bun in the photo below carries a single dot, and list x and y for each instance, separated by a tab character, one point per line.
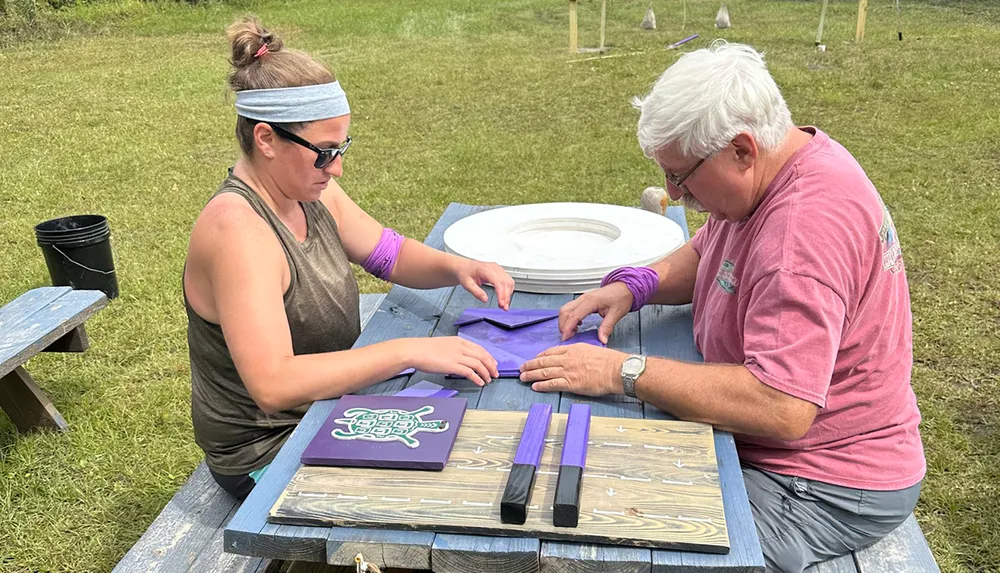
247	36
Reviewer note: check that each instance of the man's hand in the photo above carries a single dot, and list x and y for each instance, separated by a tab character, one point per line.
612	302
582	369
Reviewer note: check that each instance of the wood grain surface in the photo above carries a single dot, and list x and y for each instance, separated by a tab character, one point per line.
648	483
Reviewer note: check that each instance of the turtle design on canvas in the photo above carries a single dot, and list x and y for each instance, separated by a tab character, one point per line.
388	425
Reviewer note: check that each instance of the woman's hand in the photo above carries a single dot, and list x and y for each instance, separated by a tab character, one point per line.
451	355
473	274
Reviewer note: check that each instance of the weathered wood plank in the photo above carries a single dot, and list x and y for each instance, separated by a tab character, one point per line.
576	557
269	566
466	553
248	532
666	496
46	325
460	300
456	552
564	557
75	340
902	551
368	306
22	307
316	538
307	567
666	331
410	550
843	564
213	558
26	405
183	529
386	549
41	319
403	313
453	553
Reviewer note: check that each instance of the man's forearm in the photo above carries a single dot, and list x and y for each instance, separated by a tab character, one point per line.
677	274
726	396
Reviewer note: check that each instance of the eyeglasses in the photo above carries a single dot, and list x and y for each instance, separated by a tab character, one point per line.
676	180
324	157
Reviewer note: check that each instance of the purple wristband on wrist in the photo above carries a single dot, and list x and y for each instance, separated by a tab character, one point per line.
382	259
641	282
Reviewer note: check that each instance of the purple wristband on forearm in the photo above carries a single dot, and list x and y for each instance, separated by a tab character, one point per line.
383	259
641	282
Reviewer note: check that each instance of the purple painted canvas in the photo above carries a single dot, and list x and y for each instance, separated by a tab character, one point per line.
427	389
398	432
515	336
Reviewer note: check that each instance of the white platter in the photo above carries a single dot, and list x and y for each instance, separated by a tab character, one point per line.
563	247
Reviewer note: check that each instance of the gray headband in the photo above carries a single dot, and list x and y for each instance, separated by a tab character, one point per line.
292	105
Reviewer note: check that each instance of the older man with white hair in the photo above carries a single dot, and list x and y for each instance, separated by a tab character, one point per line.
801	310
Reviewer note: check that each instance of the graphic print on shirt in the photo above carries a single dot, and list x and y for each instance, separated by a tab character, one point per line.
725	279
892	253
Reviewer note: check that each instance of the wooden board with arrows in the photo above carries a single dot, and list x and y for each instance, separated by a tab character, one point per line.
647	483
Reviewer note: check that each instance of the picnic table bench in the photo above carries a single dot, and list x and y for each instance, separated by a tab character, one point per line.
203	528
46	319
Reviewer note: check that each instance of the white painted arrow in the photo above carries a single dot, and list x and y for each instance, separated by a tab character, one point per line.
478	450
679	464
611	491
620	429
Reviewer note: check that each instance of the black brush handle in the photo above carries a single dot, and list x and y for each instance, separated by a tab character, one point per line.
566	509
517	494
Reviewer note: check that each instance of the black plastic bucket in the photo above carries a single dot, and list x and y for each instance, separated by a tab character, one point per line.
77	252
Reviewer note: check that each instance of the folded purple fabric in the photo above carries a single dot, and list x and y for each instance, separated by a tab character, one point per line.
427	389
516	336
641	282
383	257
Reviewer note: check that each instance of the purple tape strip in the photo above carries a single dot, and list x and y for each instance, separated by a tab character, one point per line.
642	282
382	259
577	433
529	451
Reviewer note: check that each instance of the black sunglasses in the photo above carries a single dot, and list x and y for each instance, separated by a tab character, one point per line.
324	157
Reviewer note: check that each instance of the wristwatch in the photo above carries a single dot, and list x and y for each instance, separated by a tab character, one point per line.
632	368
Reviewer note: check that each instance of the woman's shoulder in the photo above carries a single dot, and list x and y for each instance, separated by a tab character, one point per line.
229	214
228	224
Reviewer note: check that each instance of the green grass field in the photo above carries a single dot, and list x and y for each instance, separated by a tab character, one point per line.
122	110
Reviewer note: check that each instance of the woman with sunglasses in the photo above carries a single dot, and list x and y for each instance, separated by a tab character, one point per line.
271	299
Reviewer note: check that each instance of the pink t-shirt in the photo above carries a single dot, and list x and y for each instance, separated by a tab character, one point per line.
809	293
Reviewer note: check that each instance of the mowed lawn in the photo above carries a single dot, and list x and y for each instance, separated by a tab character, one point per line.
123	111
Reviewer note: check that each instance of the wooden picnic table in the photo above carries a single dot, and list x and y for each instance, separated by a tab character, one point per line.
45	319
655	330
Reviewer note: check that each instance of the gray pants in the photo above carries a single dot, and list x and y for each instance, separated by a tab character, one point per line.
801	521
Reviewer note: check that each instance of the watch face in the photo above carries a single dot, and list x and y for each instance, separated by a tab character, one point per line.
632	366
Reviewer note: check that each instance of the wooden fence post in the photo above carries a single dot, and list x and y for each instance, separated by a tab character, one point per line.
573	48
862	14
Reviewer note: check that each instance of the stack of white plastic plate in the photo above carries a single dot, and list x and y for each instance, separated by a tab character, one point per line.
563	247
